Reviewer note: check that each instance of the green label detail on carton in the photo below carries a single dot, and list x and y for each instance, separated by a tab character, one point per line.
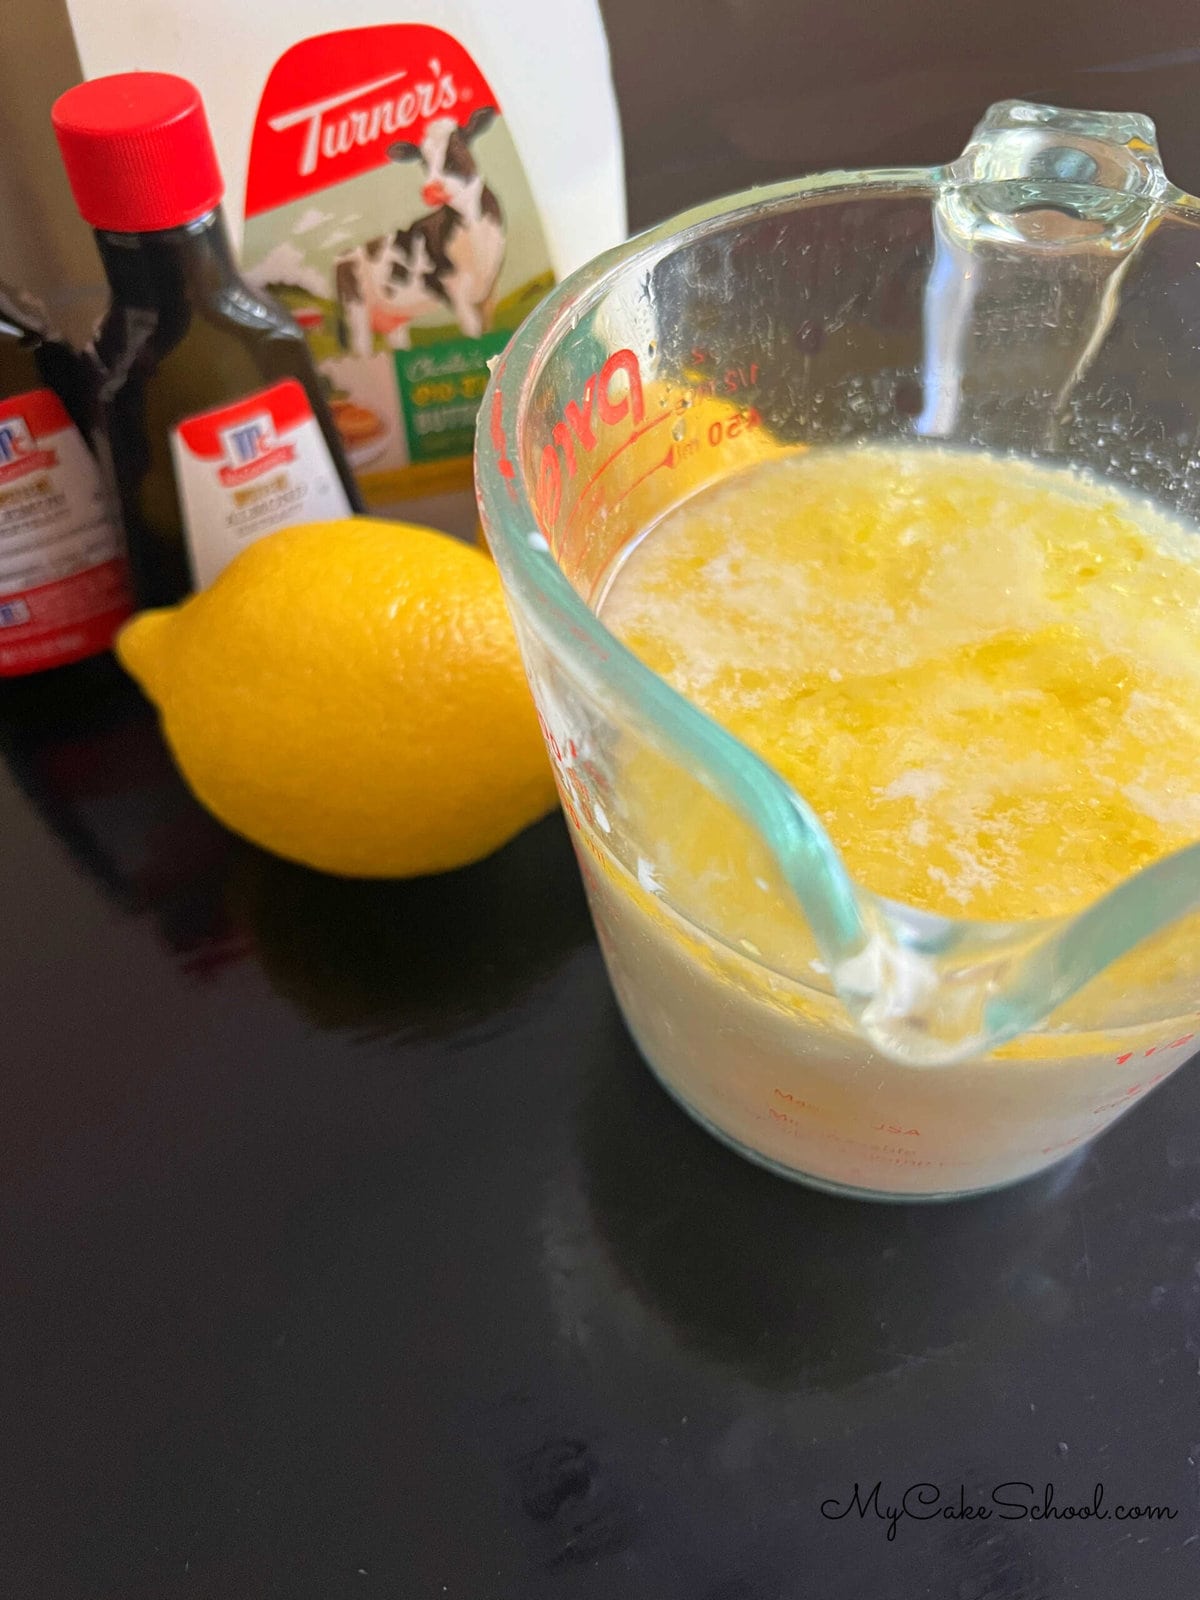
388	208
441	386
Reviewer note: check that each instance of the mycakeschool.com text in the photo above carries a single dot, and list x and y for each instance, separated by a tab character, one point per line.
1014	1501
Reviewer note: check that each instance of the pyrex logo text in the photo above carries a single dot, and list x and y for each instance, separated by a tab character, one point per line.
606	397
366	125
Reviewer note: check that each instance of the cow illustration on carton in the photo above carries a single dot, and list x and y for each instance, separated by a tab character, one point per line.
450	257
389	209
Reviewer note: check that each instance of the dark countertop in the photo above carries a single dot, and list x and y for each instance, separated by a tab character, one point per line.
347	1249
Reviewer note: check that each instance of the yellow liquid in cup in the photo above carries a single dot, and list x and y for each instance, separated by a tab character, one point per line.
983	675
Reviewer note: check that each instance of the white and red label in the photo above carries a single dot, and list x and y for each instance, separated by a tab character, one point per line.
64	587
329	112
247	469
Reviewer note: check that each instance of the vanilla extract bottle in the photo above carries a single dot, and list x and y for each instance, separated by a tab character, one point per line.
215	419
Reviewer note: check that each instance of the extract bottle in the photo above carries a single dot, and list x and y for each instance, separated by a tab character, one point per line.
64	587
215	419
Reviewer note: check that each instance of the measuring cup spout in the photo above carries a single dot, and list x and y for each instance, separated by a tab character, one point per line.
930	991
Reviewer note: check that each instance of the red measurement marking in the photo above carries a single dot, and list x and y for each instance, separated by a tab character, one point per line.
592	848
1175	1044
704	390
722	428
667	461
782	1116
736	378
1113	1105
577	417
795	1101
1065	1144
567	800
548	735
499	442
580	416
596	776
591	483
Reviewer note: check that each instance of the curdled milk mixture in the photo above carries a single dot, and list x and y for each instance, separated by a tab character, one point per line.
983	675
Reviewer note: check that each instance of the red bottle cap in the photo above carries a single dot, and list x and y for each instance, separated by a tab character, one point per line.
138	152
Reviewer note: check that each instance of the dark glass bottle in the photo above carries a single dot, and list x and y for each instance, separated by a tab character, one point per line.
31	357
217	426
63	581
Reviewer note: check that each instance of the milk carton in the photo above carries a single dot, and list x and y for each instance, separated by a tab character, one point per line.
408	178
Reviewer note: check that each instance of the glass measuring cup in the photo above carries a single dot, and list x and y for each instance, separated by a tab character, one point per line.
1040	296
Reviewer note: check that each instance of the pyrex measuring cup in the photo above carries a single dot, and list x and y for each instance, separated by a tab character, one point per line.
1040	295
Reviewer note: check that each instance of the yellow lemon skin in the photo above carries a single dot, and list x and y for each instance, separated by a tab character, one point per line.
349	695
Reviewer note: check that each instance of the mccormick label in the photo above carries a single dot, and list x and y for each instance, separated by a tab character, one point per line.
387	207
246	469
64	588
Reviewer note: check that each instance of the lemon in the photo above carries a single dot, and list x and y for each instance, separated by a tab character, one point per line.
349	695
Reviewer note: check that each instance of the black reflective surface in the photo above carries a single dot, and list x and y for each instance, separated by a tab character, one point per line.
348	1249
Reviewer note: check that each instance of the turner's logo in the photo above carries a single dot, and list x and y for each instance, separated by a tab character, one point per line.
333	126
334	105
250	447
19	451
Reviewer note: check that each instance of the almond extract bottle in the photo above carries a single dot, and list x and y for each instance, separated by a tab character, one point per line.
64	587
217	428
